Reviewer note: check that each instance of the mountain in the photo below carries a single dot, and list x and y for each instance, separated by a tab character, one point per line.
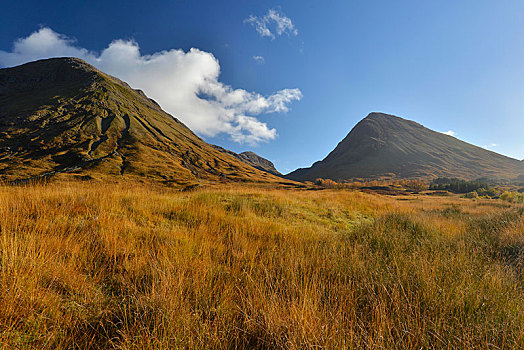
259	162
63	115
383	145
252	159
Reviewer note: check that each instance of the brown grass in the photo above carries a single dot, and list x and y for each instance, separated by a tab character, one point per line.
130	266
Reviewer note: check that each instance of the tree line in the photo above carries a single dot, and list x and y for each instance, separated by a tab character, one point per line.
458	185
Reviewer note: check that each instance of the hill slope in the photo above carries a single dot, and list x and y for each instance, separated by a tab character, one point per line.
60	115
252	159
383	145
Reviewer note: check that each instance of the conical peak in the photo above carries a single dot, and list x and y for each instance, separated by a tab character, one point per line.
386	118
383	144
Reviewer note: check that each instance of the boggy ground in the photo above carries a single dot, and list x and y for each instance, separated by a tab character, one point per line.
136	266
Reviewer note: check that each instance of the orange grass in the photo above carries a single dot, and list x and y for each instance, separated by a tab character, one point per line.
135	266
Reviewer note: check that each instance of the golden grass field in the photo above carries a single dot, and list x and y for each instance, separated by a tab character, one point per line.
136	266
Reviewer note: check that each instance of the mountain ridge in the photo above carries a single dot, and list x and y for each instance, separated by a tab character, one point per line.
252	159
63	115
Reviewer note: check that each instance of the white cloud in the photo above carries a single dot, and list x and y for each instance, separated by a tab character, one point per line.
259	59
491	145
450	133
272	24
185	84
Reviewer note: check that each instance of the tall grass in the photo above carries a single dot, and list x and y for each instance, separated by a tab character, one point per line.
86	265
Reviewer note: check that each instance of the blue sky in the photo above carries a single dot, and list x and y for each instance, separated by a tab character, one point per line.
449	65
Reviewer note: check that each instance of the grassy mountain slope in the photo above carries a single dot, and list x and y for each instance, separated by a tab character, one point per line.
386	145
62	115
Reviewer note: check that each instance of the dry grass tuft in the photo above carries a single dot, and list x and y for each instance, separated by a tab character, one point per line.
86	265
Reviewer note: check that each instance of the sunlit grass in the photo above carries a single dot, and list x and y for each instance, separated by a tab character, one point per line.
129	266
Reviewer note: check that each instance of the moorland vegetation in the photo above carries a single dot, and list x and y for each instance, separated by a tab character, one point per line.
109	265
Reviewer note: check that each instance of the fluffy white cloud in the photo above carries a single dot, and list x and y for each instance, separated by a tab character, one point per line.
185	84
271	24
450	133
491	145
259	59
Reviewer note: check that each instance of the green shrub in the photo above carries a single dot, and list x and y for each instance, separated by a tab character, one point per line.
512	197
472	194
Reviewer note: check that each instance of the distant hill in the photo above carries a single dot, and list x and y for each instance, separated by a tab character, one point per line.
383	145
252	159
63	115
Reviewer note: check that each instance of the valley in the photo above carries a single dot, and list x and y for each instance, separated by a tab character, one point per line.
120	228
